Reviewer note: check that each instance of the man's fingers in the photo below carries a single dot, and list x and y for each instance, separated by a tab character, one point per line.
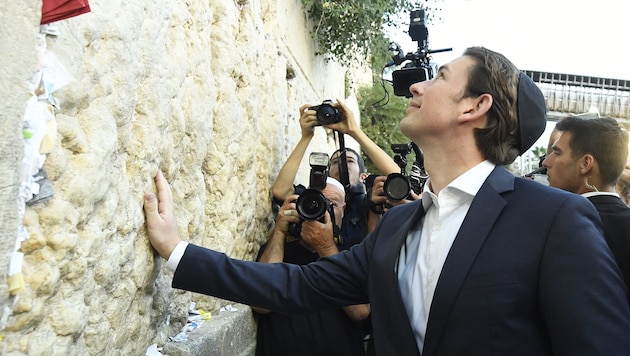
155	206
327	219
164	195
150	207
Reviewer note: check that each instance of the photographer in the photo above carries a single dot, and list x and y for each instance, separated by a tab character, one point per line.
398	188
328	332
284	186
357	217
357	221
348	125
379	202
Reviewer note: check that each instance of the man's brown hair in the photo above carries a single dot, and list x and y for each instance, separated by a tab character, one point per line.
494	74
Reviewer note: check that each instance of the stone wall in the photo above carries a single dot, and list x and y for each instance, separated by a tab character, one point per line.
208	92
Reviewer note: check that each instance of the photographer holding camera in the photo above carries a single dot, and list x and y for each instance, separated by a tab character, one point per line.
354	226
398	188
357	221
327	332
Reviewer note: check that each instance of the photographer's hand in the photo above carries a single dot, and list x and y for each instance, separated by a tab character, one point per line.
319	236
274	251
287	214
349	126
308	121
377	196
390	204
375	202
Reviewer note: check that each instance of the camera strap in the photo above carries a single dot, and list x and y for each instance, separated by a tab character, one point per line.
419	156
337	238
343	163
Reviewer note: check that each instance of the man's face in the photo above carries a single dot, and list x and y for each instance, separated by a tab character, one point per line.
354	172
436	103
338	199
562	170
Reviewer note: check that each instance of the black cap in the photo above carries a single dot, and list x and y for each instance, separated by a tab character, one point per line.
532	113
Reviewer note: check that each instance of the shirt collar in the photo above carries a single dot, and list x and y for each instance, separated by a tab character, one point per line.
468	182
591	194
471	181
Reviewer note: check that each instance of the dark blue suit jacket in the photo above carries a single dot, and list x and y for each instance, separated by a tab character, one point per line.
529	273
615	217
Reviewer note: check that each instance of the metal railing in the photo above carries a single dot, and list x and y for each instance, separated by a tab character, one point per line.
570	93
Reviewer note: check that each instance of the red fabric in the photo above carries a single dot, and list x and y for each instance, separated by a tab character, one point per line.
55	10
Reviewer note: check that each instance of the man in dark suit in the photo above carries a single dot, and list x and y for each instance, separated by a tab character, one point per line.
587	159
485	263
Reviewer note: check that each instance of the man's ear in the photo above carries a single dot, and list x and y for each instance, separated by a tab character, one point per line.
478	107
362	177
587	163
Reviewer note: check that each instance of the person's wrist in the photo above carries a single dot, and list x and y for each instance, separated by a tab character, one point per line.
378	210
278	234
375	208
166	249
352	131
327	250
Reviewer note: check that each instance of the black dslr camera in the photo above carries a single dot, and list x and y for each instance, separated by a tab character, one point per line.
398	186
312	204
326	113
419	68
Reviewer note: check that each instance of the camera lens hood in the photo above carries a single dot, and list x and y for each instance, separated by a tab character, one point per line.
396	187
327	114
311	204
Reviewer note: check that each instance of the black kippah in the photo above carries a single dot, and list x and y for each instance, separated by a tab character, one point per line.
532	112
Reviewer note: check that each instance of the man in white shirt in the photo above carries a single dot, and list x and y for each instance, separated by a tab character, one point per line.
485	263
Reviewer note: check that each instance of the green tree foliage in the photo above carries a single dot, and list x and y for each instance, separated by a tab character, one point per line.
348	29
539	151
381	124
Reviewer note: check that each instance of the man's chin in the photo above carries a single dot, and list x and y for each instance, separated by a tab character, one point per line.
404	126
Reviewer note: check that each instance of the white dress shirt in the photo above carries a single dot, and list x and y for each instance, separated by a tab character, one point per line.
422	256
176	256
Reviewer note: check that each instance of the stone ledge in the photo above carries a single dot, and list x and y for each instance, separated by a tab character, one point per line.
225	334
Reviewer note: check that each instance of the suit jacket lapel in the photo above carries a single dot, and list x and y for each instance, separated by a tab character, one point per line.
385	288
483	212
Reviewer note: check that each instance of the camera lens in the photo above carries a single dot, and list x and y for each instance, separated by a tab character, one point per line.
311	204
396	187
326	114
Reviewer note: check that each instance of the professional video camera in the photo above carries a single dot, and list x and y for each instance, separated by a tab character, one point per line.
398	186
419	68
312	204
326	113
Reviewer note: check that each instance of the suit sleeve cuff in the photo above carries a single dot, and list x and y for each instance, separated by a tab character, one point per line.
176	256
